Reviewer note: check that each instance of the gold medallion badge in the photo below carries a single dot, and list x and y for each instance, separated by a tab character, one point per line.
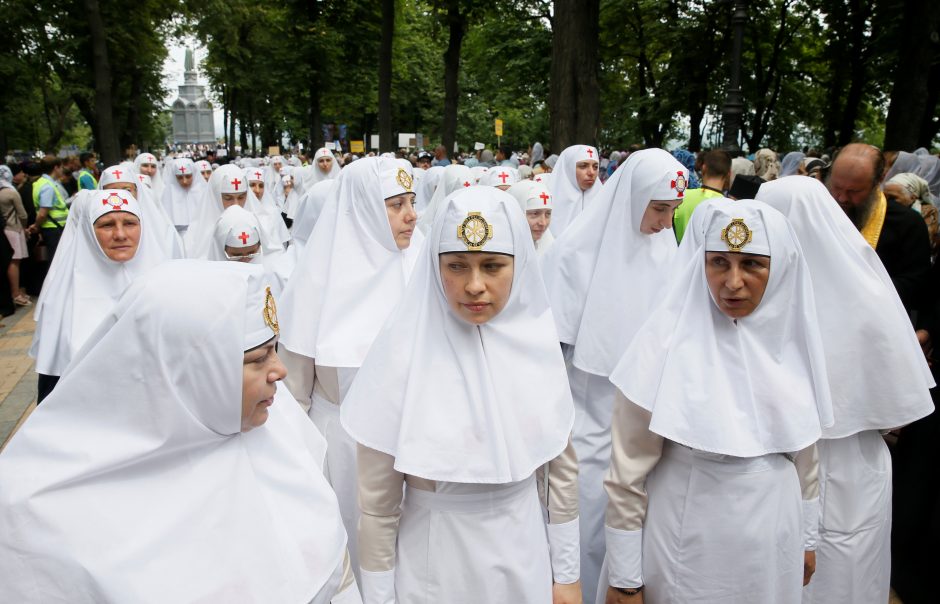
736	234
474	231
404	179
270	312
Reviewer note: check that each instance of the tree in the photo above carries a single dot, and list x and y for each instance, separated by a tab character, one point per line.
385	75
574	94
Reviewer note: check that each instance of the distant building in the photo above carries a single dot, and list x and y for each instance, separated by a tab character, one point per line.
192	111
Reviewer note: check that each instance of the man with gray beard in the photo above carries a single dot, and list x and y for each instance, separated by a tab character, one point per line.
898	234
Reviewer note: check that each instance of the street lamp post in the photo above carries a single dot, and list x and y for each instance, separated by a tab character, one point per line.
734	103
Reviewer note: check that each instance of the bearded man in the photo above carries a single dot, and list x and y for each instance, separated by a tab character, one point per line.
898	234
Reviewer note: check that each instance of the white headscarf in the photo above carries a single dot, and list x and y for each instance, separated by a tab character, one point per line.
272	173
153	213
351	273
132	482
236	227
569	199
272	223
497	404
181	204
500	176
6	177
744	387
312	174
83	284
424	188
454	177
604	277
308	212
877	372
156	182
533	195
227	179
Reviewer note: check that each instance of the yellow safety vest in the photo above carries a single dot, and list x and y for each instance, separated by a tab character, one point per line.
59	212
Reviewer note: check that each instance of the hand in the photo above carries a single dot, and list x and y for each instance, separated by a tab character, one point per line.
923	338
566	593
615	597
809	566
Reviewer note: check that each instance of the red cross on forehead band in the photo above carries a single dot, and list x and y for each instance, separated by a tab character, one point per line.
244	238
235	183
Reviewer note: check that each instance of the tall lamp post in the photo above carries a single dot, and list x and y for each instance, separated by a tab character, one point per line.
733	108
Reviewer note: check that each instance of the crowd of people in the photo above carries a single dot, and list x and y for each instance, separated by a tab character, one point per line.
511	377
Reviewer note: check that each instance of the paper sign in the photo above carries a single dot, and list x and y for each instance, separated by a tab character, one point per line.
406	139
329	145
374	141
499	127
357	146
275	150
479	146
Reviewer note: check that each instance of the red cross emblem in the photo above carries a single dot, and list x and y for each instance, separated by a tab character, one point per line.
466	183
236	182
538	179
117	174
544	197
257	175
503	176
244	238
590	153
114	200
183	169
680	184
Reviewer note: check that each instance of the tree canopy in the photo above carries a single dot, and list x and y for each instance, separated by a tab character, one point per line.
819	73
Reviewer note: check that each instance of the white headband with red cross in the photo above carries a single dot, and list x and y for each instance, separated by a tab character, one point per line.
235	183
242	235
113	200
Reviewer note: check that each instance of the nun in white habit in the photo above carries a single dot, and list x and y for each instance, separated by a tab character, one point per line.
147	165
574	184
879	380
106	244
182	193
424	189
454	177
227	187
324	167
466	439
536	202
713	491
305	220
351	275
276	233
120	177
169	465
605	274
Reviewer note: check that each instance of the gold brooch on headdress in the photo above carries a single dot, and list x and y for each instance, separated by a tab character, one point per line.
736	234
270	312
474	231
404	179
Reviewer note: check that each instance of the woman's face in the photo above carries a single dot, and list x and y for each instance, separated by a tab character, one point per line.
124	186
185	180
401	218
261	371
257	187
658	215
207	174
586	173
242	254
148	169
538	222
118	234
899	193
737	281
230	199
477	285
325	164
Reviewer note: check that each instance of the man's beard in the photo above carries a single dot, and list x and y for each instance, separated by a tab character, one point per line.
860	214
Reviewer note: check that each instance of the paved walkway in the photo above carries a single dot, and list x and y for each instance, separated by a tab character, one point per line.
17	377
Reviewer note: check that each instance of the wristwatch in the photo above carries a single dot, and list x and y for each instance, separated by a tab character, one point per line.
629	591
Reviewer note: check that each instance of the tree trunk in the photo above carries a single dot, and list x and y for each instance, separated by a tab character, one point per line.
457	27
232	108
132	130
226	112
315	136
574	94
106	133
931	125
909	96
385	76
